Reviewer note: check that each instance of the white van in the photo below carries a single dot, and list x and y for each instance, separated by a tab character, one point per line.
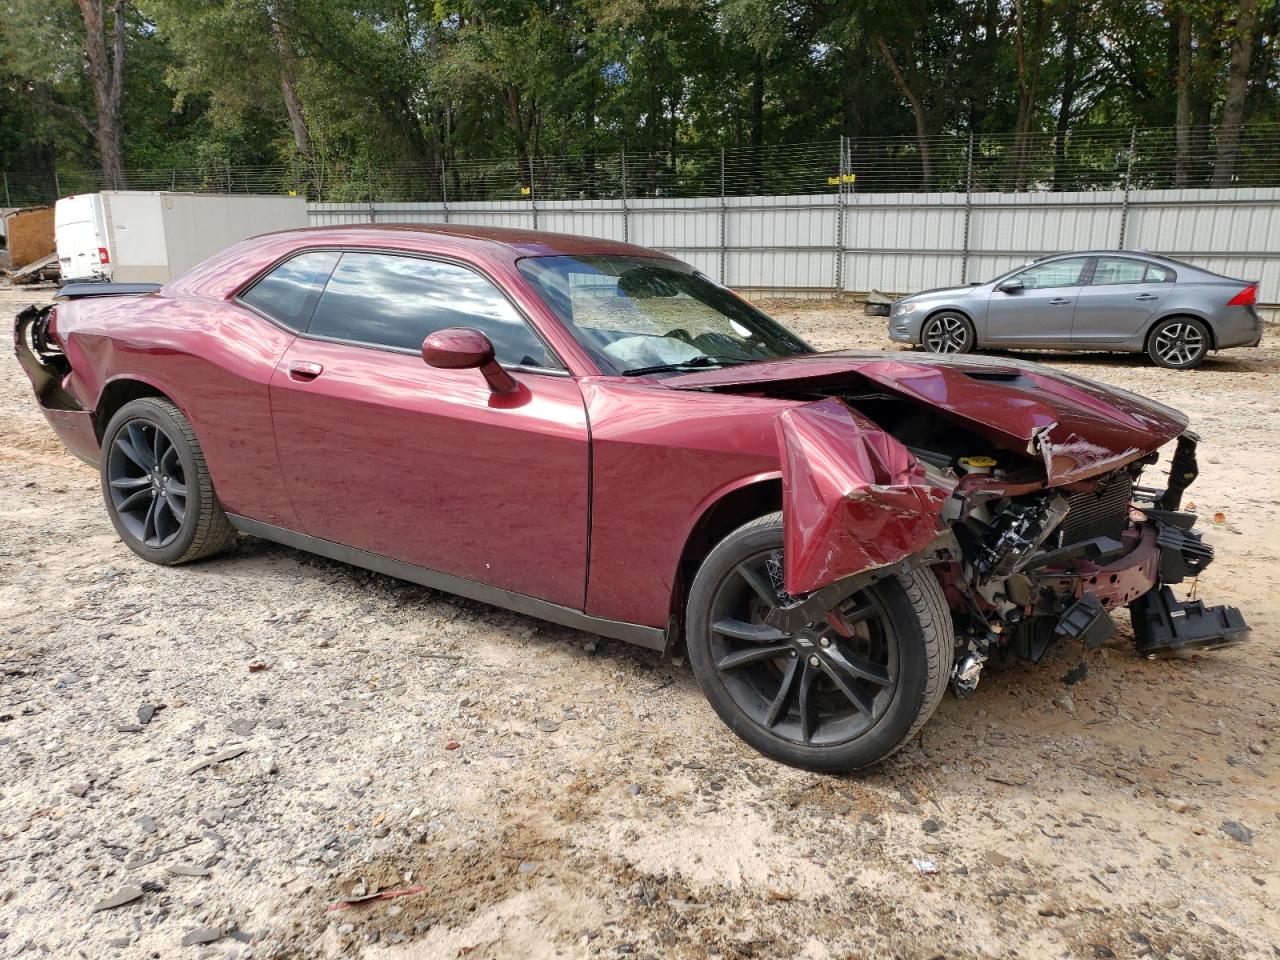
80	233
151	236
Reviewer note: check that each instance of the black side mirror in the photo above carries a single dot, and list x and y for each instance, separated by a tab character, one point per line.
1011	286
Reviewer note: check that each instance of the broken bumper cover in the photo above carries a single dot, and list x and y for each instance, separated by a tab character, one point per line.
854	498
73	424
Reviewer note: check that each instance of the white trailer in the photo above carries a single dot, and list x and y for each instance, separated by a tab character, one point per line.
151	236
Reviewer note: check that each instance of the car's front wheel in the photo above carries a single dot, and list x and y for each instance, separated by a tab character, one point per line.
838	694
1179	343
947	332
157	487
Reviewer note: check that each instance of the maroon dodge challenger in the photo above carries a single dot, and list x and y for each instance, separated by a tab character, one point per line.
598	435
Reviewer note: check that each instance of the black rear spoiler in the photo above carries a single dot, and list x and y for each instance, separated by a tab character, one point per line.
78	291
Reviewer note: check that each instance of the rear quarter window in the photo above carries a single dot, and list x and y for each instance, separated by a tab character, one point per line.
289	293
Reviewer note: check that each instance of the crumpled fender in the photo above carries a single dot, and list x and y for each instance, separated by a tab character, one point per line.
853	497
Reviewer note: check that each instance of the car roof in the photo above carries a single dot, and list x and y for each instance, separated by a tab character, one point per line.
521	241
1131	254
226	271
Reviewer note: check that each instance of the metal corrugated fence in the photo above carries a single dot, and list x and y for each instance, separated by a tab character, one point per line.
893	242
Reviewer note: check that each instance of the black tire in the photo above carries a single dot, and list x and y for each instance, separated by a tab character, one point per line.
948	332
1179	343
907	636
149	453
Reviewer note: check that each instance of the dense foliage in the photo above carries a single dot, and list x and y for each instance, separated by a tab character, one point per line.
116	85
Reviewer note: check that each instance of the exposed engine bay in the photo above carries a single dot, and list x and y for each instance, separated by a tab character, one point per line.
1041	566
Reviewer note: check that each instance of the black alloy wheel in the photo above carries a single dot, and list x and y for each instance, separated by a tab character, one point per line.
156	486
824	684
147	483
837	694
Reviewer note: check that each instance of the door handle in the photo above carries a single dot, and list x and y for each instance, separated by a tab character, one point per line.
1146	296
1059	301
304	371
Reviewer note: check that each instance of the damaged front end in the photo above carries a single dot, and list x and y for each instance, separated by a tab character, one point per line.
1035	567
1035	532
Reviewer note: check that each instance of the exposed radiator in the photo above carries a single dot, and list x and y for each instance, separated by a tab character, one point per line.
1102	512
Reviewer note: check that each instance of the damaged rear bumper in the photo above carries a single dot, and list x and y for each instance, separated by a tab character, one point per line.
46	368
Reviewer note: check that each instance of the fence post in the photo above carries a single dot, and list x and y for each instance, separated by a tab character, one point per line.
968	209
626	227
724	226
444	189
57	185
1128	177
7	201
840	170
228	176
533	196
373	214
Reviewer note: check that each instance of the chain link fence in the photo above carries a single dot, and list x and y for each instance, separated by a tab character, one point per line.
1085	160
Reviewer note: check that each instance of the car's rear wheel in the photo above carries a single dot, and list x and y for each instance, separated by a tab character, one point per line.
947	332
1179	343
157	487
839	694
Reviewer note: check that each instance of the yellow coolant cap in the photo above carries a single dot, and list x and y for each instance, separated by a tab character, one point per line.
978	464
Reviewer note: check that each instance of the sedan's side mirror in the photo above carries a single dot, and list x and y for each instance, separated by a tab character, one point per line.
1011	286
461	348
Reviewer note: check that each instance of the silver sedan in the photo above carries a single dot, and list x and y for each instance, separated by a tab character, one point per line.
1091	300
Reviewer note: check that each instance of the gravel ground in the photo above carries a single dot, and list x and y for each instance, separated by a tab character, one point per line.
235	746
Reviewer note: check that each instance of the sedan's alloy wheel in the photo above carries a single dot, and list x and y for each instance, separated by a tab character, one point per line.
147	483
946	333
826	683
1179	344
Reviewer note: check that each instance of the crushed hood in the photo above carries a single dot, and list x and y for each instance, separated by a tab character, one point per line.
1078	427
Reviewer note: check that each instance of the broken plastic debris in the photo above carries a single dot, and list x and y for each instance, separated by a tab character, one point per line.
348	902
925	867
218	758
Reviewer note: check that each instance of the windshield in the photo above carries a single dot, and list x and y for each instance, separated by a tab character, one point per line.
648	314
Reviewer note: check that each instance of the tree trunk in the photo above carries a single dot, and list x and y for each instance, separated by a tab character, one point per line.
1068	95
1237	87
850	112
288	87
1182	120
917	111
522	125
1028	82
106	75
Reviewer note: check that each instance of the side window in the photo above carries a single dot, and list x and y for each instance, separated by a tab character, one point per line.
1058	273
289	292
395	301
1159	274
1112	270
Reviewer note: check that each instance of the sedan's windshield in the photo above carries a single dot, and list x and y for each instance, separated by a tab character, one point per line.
648	314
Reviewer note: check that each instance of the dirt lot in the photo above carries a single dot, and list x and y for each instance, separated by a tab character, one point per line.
554	795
